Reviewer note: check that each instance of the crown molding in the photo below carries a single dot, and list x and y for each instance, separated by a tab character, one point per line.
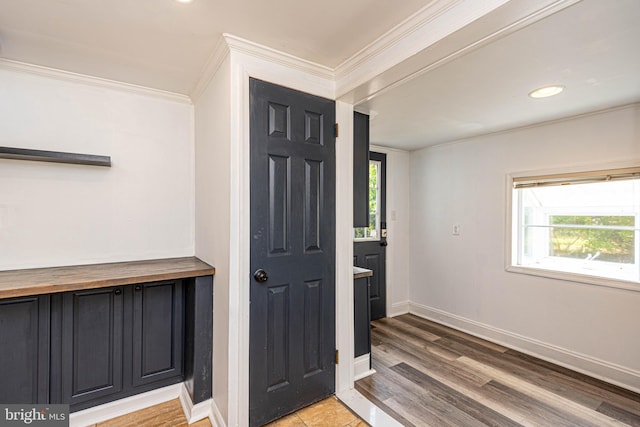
211	67
38	70
426	41
395	35
275	56
429	25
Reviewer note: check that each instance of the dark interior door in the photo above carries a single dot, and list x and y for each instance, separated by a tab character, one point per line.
292	315
371	253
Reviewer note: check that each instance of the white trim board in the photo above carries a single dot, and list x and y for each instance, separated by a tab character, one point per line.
245	63
366	410
609	372
215	416
124	406
193	412
361	367
398	308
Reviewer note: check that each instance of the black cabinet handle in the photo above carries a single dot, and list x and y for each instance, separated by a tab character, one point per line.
138	288
118	291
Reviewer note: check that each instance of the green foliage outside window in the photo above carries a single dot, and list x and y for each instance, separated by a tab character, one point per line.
366	232
612	245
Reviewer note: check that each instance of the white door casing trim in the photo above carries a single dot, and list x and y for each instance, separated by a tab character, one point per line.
243	66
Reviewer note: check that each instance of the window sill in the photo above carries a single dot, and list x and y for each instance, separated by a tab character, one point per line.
366	239
576	277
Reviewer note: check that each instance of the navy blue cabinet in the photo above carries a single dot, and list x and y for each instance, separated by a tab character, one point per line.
92	344
24	340
116	342
105	333
362	317
157	332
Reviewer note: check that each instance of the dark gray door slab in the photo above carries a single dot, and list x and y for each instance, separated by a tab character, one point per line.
292	323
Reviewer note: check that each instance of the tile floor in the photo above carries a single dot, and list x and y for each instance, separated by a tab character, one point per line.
329	412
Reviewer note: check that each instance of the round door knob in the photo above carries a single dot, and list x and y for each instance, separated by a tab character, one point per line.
261	276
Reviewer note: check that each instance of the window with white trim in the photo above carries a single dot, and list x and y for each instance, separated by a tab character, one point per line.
372	232
583	223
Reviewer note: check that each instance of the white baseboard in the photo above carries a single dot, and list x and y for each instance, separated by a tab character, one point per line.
606	371
362	367
124	406
215	417
398	308
193	412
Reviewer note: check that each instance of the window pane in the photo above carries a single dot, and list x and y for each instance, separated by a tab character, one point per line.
580	228
593	244
372	232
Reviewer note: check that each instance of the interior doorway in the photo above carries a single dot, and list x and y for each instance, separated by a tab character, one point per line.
369	248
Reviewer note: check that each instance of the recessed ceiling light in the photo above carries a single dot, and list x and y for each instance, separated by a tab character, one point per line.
543	92
185	1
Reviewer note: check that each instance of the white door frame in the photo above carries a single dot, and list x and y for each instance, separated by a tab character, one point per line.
371	71
306	77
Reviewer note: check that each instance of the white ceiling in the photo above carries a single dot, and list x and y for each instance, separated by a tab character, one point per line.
165	45
591	48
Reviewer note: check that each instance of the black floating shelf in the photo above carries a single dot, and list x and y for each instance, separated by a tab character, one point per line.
54	156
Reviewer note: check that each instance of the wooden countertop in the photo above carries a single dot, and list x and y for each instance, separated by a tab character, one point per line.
37	281
359	273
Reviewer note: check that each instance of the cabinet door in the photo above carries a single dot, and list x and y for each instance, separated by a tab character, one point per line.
92	336
362	317
24	359
157	332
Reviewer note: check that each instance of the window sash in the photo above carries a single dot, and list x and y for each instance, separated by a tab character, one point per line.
576	178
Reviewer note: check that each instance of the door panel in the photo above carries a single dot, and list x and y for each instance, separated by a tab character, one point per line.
279	196
278	337
371	254
292	320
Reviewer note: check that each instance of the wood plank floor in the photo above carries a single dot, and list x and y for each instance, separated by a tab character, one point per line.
432	375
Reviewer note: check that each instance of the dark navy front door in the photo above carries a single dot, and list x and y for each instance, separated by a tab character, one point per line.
292	315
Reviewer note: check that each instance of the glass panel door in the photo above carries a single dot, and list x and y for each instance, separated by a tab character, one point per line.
372	232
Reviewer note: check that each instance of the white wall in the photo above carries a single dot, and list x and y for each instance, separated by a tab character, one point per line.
59	214
213	174
462	280
398	228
